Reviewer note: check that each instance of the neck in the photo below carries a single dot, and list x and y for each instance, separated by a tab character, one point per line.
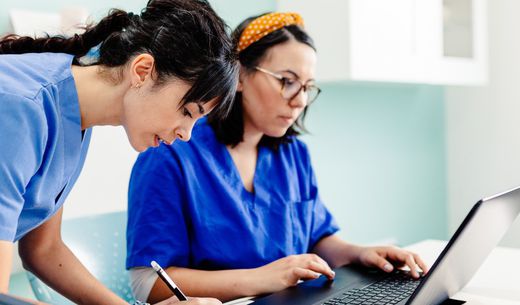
251	137
100	101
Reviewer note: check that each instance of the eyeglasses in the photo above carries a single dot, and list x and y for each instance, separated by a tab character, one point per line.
291	87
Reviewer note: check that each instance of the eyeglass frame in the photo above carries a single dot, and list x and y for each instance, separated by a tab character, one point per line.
282	79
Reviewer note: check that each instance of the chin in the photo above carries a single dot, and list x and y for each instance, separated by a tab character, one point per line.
276	133
136	146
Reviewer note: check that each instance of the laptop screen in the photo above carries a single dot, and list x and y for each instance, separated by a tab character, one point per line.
479	233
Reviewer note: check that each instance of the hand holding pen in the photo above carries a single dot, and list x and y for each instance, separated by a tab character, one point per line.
168	281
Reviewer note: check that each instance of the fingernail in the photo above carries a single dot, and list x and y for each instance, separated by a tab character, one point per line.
333	273
388	267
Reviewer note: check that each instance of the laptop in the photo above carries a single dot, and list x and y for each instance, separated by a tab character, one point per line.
479	233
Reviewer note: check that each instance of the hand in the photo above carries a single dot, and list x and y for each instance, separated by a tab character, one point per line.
287	271
191	301
386	258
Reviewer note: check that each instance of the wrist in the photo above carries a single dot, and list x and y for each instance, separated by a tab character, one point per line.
252	283
355	253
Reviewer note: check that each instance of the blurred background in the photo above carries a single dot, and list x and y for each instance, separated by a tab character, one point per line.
417	121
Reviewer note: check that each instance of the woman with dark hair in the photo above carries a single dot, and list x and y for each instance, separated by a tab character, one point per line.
156	74
252	221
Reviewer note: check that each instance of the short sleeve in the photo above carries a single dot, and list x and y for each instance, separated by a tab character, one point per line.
157	229
23	135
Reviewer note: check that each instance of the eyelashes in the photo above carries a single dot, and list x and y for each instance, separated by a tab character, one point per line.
186	113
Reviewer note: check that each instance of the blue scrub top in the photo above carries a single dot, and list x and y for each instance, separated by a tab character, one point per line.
42	147
188	206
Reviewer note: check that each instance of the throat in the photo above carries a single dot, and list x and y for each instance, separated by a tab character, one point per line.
245	162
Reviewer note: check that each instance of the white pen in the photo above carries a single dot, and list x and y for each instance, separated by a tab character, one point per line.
168	281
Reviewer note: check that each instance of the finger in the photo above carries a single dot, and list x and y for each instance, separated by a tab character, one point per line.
410	262
383	264
329	273
211	301
316	263
424	267
195	301
303	274
321	267
332	273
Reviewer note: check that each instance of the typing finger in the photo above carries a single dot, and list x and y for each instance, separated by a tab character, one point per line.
303	274
424	267
322	268
410	262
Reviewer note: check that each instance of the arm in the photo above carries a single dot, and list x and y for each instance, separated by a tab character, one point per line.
6	258
44	253
338	252
231	284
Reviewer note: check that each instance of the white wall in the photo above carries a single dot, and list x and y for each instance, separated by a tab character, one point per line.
103	184
483	124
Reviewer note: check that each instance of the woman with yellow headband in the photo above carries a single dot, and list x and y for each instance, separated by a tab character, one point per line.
252	221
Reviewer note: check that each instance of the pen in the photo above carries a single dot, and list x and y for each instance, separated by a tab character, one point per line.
168	281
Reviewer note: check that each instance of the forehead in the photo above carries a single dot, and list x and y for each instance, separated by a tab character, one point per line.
291	55
175	89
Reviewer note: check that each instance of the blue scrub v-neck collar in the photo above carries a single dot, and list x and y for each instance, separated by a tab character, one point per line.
235	174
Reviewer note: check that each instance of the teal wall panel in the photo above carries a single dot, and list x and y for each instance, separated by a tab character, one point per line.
379	156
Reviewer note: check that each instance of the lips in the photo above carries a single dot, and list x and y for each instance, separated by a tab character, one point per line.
287	119
158	140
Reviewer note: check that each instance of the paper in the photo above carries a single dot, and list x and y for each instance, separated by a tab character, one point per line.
241	301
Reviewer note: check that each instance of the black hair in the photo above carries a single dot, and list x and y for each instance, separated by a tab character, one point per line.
230	130
186	38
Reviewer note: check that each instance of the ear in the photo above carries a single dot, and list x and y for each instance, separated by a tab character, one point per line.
141	68
241	75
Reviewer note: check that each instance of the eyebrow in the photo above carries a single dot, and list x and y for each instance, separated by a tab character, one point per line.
296	75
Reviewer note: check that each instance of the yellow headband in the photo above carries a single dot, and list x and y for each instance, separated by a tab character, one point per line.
264	25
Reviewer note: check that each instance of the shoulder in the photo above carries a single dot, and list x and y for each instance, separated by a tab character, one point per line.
24	125
296	148
27	74
21	110
293	155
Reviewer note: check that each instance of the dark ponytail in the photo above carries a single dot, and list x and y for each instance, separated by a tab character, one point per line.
186	38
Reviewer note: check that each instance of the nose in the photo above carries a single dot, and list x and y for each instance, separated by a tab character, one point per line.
183	133
300	100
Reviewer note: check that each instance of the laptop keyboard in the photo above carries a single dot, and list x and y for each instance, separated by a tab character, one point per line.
389	290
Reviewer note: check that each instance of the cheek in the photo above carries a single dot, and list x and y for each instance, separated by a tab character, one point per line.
262	103
141	116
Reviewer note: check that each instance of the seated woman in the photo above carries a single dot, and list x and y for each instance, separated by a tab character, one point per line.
251	222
